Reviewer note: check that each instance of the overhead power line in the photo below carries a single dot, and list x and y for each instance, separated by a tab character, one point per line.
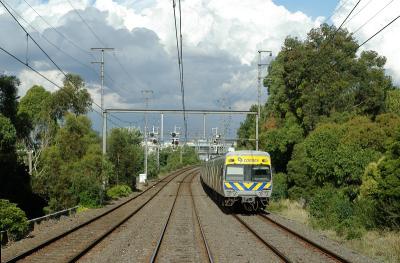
359	11
344	21
59	49
37	44
372	17
58	32
379	31
180	59
337	30
336	9
87	25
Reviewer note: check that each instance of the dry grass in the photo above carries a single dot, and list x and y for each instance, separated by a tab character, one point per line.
383	246
290	209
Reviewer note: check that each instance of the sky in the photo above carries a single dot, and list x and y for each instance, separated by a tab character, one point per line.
220	43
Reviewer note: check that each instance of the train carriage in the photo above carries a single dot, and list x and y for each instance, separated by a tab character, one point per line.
243	177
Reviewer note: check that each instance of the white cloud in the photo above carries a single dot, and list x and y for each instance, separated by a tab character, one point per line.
29	78
220	38
386	43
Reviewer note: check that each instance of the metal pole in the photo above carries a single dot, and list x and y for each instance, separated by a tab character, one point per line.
162	127
145	138
258	95
259	91
204	126
102	94
257	133
146	94
104	132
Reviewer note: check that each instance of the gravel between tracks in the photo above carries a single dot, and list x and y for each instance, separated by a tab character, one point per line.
53	227
135	240
322	240
182	240
290	246
229	241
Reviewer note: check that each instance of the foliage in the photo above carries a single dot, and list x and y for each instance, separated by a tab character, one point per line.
120	190
279	140
338	212
13	219
279	186
72	97
8	135
74	169
319	76
126	154
381	184
392	102
15	180
189	157
335	154
247	131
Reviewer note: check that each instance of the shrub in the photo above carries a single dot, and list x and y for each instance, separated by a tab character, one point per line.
279	190
117	191
12	219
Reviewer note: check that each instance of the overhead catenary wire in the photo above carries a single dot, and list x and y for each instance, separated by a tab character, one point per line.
379	31
336	9
58	32
359	11
344	21
87	24
112	81
180	59
337	30
182	85
372	17
47	55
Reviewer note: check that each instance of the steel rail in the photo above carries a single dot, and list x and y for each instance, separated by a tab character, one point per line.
104	235
266	243
157	248
305	239
58	237
210	258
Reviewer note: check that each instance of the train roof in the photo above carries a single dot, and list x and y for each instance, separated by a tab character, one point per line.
246	152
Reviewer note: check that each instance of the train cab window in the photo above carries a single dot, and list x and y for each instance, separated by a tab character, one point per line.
234	173
260	173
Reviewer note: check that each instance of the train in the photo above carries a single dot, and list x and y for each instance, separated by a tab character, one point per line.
241	178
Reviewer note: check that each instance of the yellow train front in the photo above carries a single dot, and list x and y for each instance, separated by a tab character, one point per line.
240	177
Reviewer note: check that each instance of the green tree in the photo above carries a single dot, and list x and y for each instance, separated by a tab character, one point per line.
381	183
126	154
322	75
393	101
74	170
72	97
247	131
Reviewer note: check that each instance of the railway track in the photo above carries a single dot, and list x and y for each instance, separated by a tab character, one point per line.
304	239
159	252
285	231
76	242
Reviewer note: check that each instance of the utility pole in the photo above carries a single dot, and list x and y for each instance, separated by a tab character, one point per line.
146	94
259	90
102	49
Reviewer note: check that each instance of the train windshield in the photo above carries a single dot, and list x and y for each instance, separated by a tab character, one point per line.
253	173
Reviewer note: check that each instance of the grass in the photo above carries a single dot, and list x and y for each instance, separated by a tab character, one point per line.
290	209
381	245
